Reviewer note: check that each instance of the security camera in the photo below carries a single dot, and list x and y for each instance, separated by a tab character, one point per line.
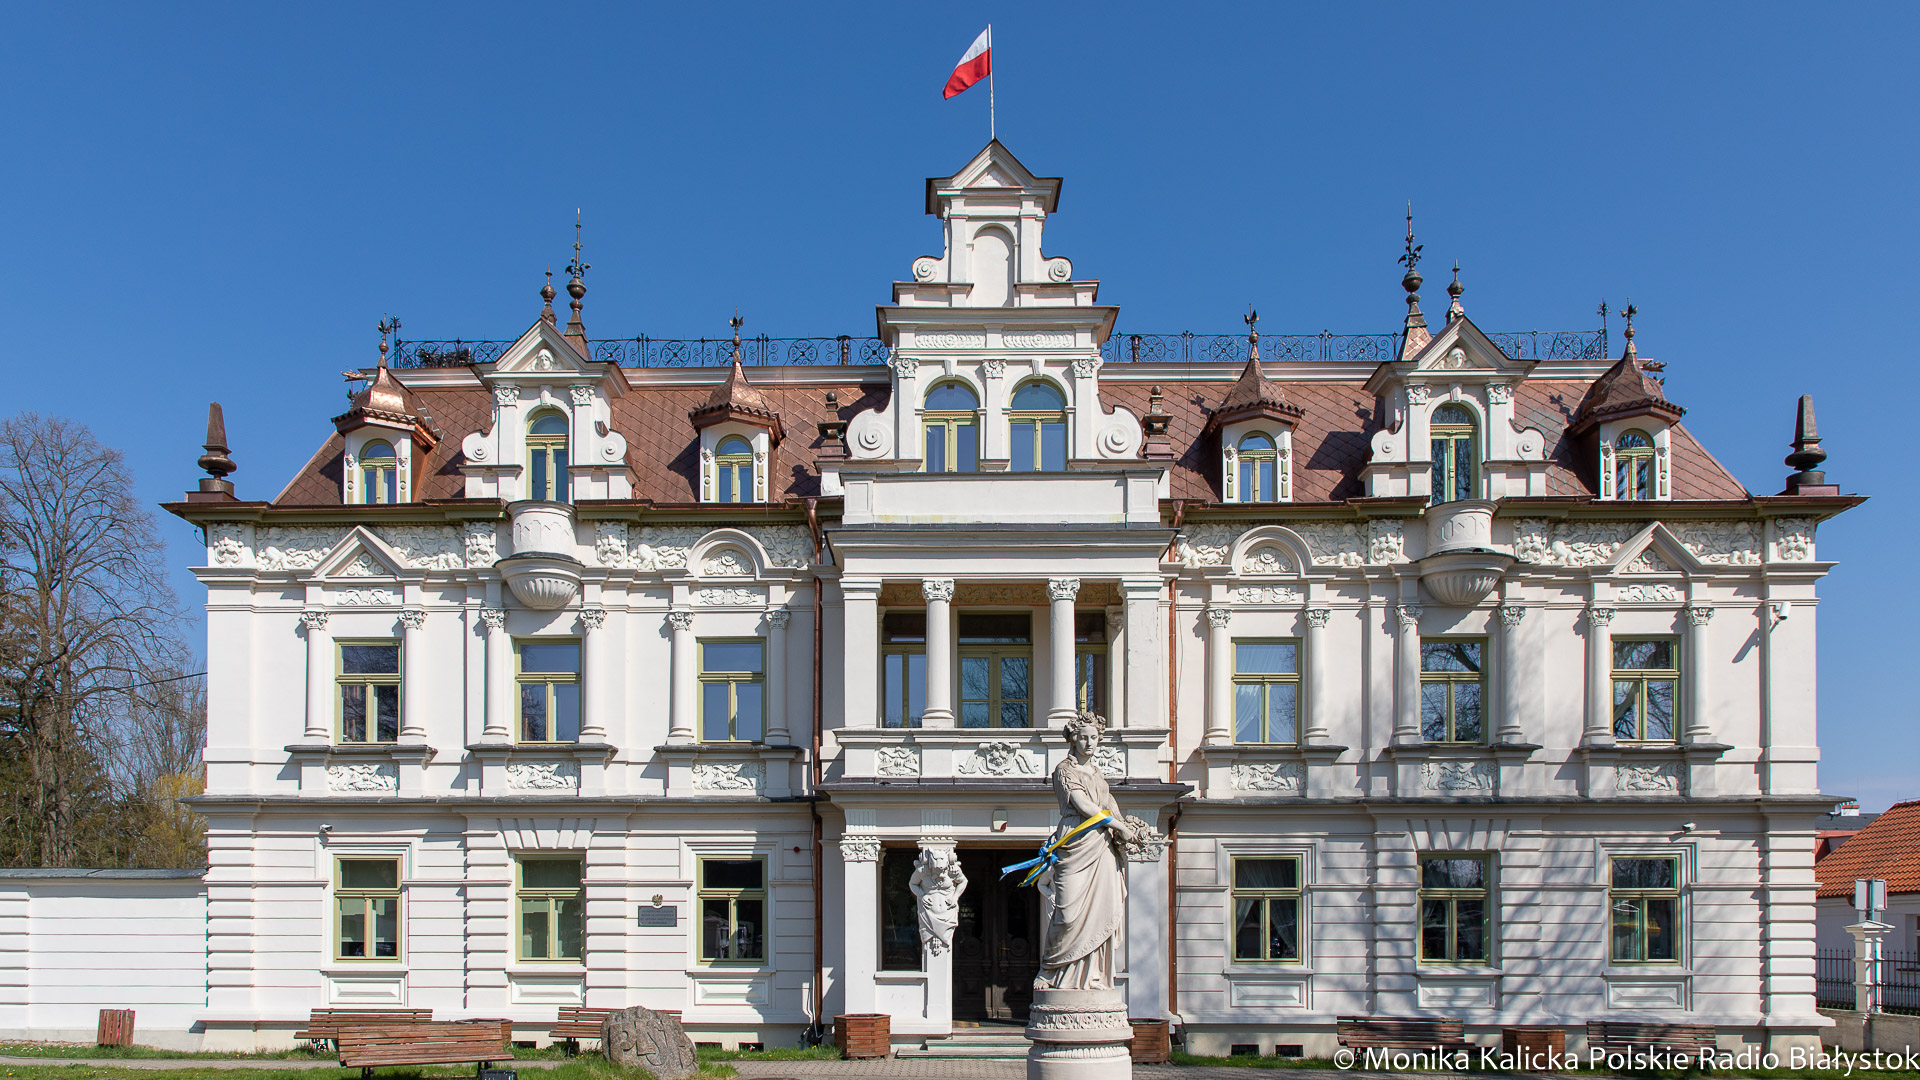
1687	826
326	828
1781	609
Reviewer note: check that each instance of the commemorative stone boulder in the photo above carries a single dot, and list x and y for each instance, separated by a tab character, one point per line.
649	1040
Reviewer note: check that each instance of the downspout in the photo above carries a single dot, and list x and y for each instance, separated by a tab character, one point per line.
1173	915
817	1034
1173	777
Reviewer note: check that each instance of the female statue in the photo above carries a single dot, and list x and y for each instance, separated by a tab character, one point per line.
1086	887
937	883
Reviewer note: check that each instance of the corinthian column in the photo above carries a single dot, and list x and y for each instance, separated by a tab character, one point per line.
684	679
598	662
1406	676
319	677
938	710
499	724
1318	665
413	676
777	733
1219	676
1599	676
1695	674
1060	595
1511	729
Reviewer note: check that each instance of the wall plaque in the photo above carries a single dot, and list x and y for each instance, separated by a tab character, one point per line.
666	915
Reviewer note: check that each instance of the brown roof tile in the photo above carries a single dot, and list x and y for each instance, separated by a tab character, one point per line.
1888	849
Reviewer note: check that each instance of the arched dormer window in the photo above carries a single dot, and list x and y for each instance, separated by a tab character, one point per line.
1038	417
1454	454
952	420
379	474
1633	466
733	468
547	456
1259	469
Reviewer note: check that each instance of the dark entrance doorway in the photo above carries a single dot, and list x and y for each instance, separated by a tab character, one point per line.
996	949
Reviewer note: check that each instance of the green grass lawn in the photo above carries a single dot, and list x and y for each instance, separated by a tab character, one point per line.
583	1068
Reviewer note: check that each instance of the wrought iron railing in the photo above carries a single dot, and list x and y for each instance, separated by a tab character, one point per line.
1899	979
646	352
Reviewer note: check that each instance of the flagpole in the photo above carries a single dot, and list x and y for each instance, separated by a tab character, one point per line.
992	129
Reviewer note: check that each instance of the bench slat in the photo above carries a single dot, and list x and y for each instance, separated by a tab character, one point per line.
1402	1033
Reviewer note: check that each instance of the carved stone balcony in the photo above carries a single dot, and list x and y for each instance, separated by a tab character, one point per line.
542	571
1461	566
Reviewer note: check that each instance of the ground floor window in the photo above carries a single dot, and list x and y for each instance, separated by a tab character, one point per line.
366	897
1266	908
733	911
552	909
1455	909
899	912
1644	897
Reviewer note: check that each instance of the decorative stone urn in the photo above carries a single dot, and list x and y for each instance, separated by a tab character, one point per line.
1079	1035
1461	566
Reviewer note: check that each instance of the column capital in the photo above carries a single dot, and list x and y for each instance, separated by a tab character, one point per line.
1219	617
868	588
1511	615
593	618
937	588
1599	615
1698	615
860	849
1317	617
494	618
313	619
680	620
1063	588
1409	616
778	618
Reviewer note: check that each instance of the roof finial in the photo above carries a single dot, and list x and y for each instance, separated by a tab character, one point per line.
735	323
1632	353
1411	260
217	460
1454	309
388	325
1252	319
576	286
1807	455
546	298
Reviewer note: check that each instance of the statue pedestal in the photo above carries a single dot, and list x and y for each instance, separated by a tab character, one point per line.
1079	1035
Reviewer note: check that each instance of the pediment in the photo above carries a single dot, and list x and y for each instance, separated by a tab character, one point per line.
994	167
1460	350
1655	550
360	556
541	350
1269	551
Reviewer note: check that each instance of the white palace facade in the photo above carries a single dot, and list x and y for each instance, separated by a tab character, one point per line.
1455	679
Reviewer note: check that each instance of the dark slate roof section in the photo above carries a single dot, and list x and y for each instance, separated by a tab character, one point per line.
1625	390
1331	439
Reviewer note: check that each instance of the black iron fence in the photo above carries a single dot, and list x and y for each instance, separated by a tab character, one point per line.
646	352
1898	977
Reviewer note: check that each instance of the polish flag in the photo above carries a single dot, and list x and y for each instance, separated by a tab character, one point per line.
976	65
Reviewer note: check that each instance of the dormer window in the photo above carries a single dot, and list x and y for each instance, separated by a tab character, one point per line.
733	466
1038	415
379	474
1454	456
547	456
1259	469
1633	454
952	421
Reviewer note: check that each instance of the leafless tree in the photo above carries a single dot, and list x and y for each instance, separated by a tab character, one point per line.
86	621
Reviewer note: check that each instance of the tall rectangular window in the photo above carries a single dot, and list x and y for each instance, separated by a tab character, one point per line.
366	900
1644	897
549	683
903	663
1266	691
1456	909
1090	661
553	904
996	660
733	911
1266	909
369	683
1452	691
733	690
1646	689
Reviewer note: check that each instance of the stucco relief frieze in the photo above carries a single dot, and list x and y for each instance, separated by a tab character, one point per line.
667	547
1720	543
1039	339
1592	543
1660	778
425	547
482	549
726	562
860	849
364	776
1329	543
1282	777
728	775
364	597
1111	761
1266	559
897	761
1639	593
1458	775
1268	594
543	775
1386	542
729	597
947	341
297	547
301	547
227	542
610	543
363	565
1794	539
999	759
1648	562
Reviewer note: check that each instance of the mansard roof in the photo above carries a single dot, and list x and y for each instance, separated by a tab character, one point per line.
1331	438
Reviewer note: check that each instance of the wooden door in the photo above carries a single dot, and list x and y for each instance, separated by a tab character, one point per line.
996	949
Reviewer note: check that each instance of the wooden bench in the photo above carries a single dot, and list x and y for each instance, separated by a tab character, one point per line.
577	1022
1620	1037
323	1025
366	1046
1403	1033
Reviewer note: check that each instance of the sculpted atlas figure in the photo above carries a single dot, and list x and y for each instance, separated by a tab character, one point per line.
937	884
1085	888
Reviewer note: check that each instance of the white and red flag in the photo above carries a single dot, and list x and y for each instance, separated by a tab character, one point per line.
977	64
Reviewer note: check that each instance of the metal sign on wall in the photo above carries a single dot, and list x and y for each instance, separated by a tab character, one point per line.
659	915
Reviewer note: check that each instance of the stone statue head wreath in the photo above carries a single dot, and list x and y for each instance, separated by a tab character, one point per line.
1087	720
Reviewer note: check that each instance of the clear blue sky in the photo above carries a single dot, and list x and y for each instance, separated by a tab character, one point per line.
220	201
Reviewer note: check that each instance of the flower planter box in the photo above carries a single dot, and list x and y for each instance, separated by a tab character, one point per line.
863	1035
116	1028
1534	1044
1150	1044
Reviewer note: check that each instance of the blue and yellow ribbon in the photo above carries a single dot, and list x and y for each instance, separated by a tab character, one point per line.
1047	857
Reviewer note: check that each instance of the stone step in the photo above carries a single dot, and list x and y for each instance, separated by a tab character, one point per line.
978	1044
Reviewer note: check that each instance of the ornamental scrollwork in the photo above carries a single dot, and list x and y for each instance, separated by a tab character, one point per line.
999	758
728	775
860	849
543	775
1284	777
1458	775
1219	617
364	776
1662	778
1063	588
940	589
897	761
313	619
